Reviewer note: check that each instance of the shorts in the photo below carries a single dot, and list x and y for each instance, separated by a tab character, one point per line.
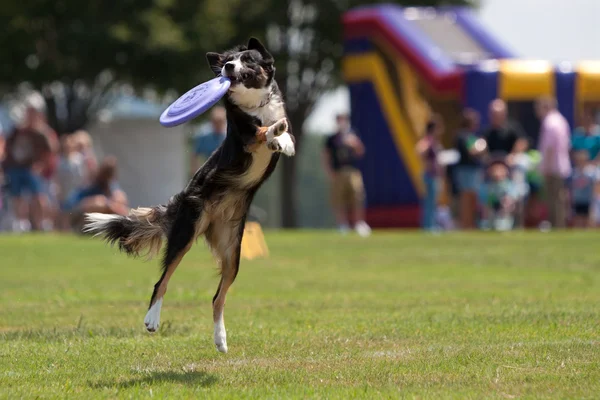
23	180
347	189
581	209
468	178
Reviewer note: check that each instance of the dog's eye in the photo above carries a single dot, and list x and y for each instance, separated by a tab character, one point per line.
245	75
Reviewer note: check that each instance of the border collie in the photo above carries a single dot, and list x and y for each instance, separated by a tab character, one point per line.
215	202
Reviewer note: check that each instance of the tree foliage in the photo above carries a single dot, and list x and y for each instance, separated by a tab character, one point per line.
78	51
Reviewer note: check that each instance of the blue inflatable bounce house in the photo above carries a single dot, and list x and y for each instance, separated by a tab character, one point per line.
402	63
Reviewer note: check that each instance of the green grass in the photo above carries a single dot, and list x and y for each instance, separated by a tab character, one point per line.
394	316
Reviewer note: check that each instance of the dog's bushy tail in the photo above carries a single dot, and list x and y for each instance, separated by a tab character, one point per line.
138	234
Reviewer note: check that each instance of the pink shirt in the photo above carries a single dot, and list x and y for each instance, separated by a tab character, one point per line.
555	144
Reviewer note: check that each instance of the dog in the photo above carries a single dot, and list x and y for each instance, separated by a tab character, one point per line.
216	201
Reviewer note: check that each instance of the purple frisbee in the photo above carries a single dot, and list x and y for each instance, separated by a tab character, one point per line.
195	101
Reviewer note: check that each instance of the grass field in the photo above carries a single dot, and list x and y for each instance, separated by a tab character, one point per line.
396	315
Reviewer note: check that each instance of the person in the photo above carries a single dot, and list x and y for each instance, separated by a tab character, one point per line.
468	171
71	176
500	196
555	166
587	136
428	148
2	144
2	182
52	207
595	206
504	138
103	196
341	152
205	145
28	165
84	145
582	185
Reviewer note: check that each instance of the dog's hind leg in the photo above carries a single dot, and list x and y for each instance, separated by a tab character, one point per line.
225	239
186	226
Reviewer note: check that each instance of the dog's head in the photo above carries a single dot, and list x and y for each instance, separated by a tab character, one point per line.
250	69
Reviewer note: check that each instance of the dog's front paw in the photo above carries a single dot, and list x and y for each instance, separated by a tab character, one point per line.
280	127
274	145
277	129
283	144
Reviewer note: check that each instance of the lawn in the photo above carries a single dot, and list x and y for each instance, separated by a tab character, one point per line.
397	315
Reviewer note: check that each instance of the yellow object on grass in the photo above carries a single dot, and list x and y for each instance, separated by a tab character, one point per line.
253	242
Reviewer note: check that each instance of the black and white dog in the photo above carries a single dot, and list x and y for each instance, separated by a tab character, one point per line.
215	202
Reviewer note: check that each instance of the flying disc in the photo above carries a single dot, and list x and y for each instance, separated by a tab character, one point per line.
195	101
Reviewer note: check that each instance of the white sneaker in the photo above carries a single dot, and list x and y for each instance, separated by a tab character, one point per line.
362	228
545	226
21	226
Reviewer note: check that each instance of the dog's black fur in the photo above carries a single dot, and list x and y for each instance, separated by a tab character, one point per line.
215	202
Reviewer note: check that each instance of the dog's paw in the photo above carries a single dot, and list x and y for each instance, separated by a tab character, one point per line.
284	144
274	145
152	319
220	338
277	129
280	127
222	346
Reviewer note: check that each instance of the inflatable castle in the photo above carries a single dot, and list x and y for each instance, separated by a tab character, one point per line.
400	64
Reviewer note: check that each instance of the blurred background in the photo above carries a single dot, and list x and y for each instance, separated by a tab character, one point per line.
410	114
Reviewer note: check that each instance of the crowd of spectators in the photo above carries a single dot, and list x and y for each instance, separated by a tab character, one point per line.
47	181
501	178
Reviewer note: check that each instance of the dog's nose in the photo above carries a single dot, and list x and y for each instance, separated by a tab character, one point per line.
229	67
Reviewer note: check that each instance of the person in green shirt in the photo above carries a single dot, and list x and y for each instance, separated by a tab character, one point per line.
587	136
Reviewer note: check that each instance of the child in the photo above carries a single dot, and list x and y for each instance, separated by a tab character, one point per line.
70	175
582	185
501	196
429	148
2	147
103	196
84	146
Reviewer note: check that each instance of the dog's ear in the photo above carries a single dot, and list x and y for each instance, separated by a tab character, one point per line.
255	44
215	60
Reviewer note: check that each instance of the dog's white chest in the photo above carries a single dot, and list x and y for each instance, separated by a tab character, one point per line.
250	101
270	113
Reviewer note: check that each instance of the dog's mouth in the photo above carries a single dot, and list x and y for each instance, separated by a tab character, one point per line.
238	78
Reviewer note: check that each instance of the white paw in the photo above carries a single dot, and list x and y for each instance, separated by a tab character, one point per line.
222	347
153	316
220	337
283	144
277	129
